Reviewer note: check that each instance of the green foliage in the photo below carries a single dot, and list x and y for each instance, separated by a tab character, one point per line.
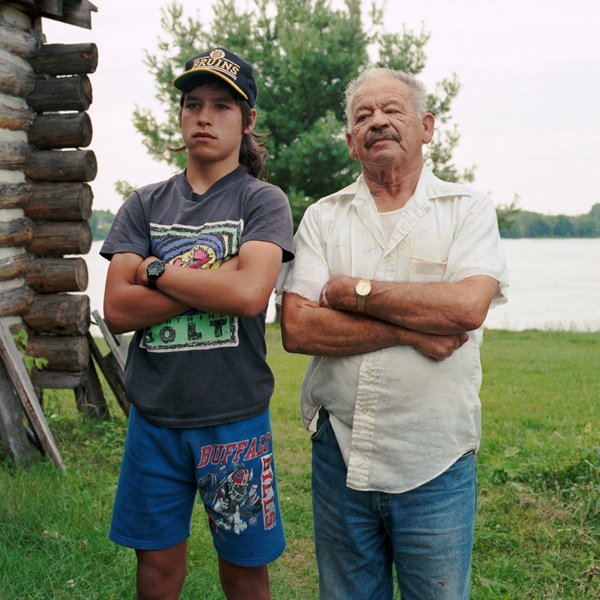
21	339
100	223
304	53
512	221
532	225
507	214
538	523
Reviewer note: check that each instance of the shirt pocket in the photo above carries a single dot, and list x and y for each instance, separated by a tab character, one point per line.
428	262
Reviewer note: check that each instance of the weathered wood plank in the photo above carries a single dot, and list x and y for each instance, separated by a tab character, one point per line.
16	300
18	41
14	195
14	266
117	344
16	80
14	156
113	373
22	383
12	432
15	117
49	8
17	232
78	12
90	397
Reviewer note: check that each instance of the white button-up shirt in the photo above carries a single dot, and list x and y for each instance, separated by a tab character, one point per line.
400	417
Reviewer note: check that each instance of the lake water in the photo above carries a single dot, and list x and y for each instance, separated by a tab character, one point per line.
554	285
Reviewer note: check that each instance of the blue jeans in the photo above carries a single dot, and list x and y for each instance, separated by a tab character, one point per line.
426	533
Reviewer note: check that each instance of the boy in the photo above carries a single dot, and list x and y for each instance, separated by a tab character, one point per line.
194	260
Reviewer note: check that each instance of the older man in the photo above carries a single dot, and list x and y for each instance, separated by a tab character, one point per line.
392	281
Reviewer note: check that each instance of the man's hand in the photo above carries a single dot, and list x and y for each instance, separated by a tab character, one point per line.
438	347
338	293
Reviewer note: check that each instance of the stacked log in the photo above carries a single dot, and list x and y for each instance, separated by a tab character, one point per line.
19	42
58	207
45	205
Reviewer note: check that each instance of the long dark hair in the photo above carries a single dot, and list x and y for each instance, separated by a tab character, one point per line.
253	151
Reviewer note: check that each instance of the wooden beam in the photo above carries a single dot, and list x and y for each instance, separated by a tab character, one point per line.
113	373
117	344
74	12
22	383
12	432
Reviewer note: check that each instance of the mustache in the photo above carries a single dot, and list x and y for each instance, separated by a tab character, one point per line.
375	136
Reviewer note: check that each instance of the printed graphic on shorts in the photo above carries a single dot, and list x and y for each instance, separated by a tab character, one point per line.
204	247
239	492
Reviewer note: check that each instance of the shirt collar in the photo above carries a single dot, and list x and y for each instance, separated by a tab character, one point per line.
429	187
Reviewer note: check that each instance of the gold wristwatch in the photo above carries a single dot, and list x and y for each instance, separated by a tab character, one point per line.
362	291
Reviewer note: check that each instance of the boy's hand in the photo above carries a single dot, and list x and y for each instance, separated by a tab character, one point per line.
141	277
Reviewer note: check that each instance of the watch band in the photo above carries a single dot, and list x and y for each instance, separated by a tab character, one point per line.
361	304
153	271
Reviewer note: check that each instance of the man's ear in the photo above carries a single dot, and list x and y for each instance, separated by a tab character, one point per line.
428	127
350	143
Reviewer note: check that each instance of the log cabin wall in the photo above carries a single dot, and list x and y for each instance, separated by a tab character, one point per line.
45	196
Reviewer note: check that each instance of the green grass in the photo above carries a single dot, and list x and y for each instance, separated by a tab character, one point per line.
538	525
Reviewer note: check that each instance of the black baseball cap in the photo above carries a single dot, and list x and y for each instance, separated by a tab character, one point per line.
225	64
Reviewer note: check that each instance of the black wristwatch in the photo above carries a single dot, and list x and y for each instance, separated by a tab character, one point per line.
154	270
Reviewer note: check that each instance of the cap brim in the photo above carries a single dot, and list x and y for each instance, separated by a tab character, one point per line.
181	82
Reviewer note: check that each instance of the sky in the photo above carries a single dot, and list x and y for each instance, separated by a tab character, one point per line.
528	110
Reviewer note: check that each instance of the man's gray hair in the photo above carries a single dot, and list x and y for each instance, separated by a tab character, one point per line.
418	91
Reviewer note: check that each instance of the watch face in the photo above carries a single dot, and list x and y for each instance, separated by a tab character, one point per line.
363	288
155	268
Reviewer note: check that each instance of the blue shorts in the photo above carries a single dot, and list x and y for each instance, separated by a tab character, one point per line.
229	466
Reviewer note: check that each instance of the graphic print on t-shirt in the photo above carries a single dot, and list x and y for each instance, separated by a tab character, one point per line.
203	247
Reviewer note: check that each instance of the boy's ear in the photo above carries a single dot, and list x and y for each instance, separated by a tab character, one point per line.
252	123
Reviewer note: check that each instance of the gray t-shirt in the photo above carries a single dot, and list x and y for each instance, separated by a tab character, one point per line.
200	369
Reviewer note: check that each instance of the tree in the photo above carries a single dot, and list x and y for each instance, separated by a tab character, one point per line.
507	214
304	53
